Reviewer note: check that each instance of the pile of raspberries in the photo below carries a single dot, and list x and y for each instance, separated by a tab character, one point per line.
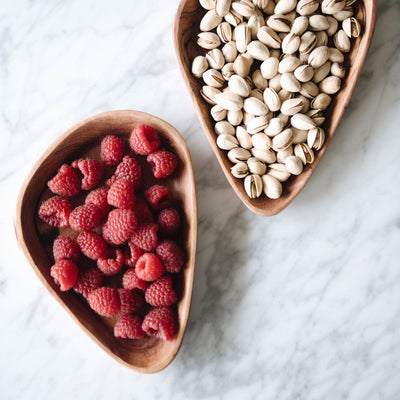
128	229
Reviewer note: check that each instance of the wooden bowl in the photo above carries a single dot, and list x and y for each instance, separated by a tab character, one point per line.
146	355
186	28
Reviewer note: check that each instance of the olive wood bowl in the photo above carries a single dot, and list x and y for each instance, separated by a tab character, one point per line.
35	238
186	28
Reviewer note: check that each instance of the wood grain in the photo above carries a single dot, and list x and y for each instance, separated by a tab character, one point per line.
186	29
147	355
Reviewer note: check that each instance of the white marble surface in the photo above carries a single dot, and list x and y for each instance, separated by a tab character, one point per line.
301	306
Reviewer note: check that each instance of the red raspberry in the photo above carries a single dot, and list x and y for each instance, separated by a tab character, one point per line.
65	248
132	254
121	194
105	301
158	197
169	221
163	163
145	236
142	212
144	139
131	300
92	171
119	226
129	326
66	182
88	281
111	150
131	281
65	274
128	169
55	211
160	322
112	263
160	292
171	256
148	267
85	217
98	197
92	244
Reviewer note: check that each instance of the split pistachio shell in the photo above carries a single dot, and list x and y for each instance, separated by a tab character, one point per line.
274	127
290	83
351	27
239	85
256	166
243	7
290	43
307	7
224	128
233	18
243	137
347	12
282	140
261	141
229	101
322	38
303	151
279	23
235	117
199	66
272	99
302	121
227	71
266	155
215	59
299	25
279	172
309	90
210	21
238	154
333	26
253	186
269	37
292	106
208	40
330	85
209	94
227	142
224	31
332	6
240	170
218	113
318	116
257	124
214	78
316	138
338	70
321	102
341	41
271	186
254	106
294	165
322	72
222	7
304	73
318	57
258	50
307	42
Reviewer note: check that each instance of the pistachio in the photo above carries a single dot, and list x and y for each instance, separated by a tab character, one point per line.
224	31
269	8
247	117
333	26
285	95
321	102
266	155
332	6
253	186
302	121
290	43
284	118
318	56
229	51
309	90
199	66
279	23
299	136
294	165
292	106
318	22
257	124
254	106
222	7
335	55
330	85
275	83
209	94
207	4
338	70
235	117
316	138
341	41
218	113
307	42
290	83
282	140
274	127
238	154
288	64
282	155
257	93
279	172
255	22
303	151
351	27
304	73
242	66
299	25
261	141
258	50
285	6
322	38
243	7
306	103
269	67
271	99
227	142
271	186
261	4
208	40
229	101
233	18
227	71
240	170
243	137
256	166
259	81
215	59
269	37
224	128
307	7
317	116
214	78
322	72
239	85
210	21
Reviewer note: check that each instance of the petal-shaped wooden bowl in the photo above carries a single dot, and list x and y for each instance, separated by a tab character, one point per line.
146	355
186	28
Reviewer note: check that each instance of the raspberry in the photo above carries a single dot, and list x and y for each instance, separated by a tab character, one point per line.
105	301
85	217
158	197
160	292
132	254
111	150
163	163
65	248
98	197
144	139
119	226
149	267
169	221
145	236
131	281
92	244
66	182
171	256
128	169
88	281
112	263
131	300
55	211
142	212
160	322
129	326
92	171
65	274
121	194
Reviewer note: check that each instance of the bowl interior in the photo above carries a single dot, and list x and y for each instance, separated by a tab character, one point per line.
186	29
35	238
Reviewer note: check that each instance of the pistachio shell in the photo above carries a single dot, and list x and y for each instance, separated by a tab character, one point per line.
222	7
257	124
256	166
253	186
229	101
341	41
229	51
227	71
269	68
351	27
318	22
199	66
258	50
307	42
330	85
304	73
214	78
282	155
239	85
224	31
274	127
322	72
338	70
279	172
292	106
272	99
318	57
226	142
294	165
290	83
290	43
218	113
269	37
238	154
235	117
243	7
288	64
321	102
210	21
209	94
240	170
316	138
208	40
243	137
259	81
279	23
272	188
303	151
332	6
261	141
302	121
255	22
266	155
282	140
307	7
224	128
254	106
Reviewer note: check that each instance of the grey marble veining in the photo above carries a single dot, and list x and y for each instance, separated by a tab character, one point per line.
301	306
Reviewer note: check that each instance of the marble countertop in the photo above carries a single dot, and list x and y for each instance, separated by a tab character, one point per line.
304	305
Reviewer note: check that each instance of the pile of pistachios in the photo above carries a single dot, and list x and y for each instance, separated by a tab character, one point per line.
270	69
